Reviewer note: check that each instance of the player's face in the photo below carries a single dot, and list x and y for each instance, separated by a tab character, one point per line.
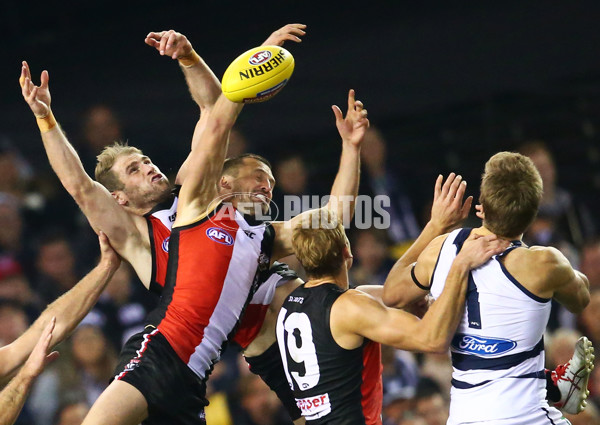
144	183
253	185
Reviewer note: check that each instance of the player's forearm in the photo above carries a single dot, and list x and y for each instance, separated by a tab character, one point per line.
65	162
441	320
345	186
74	305
203	84
13	397
398	288
69	309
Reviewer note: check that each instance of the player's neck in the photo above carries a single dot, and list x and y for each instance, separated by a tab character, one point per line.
341	280
485	231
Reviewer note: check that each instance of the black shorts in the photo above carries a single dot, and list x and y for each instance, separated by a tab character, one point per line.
174	393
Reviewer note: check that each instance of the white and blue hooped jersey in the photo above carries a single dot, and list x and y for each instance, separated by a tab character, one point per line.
498	349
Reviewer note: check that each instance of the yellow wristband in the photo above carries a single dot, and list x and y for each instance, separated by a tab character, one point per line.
46	123
189	60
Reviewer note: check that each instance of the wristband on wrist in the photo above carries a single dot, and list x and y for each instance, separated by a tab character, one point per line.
189	60
46	123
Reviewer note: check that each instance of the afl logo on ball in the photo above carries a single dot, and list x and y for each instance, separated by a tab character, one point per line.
219	235
259	57
165	244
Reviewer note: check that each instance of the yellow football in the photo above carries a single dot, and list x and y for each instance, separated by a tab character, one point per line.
258	74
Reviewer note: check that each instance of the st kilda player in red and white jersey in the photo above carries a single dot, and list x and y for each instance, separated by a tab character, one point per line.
139	223
216	250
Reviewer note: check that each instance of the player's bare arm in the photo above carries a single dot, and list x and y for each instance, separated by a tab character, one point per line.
204	86
547	273
199	190
68	310
14	394
266	335
352	130
356	315
128	233
447	211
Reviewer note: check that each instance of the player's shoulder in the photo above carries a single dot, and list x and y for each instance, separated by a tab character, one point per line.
545	256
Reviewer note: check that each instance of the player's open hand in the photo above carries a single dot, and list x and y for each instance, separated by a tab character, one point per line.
352	128
448	209
478	249
39	357
290	32
170	43
37	97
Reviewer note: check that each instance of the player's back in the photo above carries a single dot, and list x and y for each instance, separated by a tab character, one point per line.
331	385
498	350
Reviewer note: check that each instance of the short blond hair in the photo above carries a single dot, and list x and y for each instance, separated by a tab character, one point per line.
511	192
105	161
318	243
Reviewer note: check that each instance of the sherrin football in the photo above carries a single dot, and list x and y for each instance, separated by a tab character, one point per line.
258	74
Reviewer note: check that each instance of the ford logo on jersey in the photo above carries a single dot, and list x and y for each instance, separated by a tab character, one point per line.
481	346
219	235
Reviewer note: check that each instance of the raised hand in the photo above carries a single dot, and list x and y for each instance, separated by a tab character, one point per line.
478	249
290	32
39	357
37	97
448	209
170	43
352	128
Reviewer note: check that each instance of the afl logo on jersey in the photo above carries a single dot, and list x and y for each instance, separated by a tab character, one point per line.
259	57
165	244
481	345
219	235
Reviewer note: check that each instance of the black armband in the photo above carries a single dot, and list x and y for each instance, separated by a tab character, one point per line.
416	281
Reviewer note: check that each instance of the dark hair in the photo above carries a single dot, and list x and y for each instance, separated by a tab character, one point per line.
231	165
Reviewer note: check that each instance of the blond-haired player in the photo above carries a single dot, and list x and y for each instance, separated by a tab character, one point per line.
328	334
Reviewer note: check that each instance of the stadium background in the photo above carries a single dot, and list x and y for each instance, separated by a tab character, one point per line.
448	83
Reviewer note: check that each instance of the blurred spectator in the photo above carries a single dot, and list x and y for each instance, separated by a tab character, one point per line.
15	253
84	373
101	127
292	177
430	403
559	348
121	309
439	368
590	262
55	264
397	405
561	219
14	321
15	287
400	371
590	319
256	404
372	262
238	144
72	413
381	179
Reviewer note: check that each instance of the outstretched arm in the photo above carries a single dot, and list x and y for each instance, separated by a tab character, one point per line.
204	86
13	395
98	205
68	310
199	190
371	319
343	194
448	211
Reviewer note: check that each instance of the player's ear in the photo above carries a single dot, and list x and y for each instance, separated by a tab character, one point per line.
120	197
225	183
